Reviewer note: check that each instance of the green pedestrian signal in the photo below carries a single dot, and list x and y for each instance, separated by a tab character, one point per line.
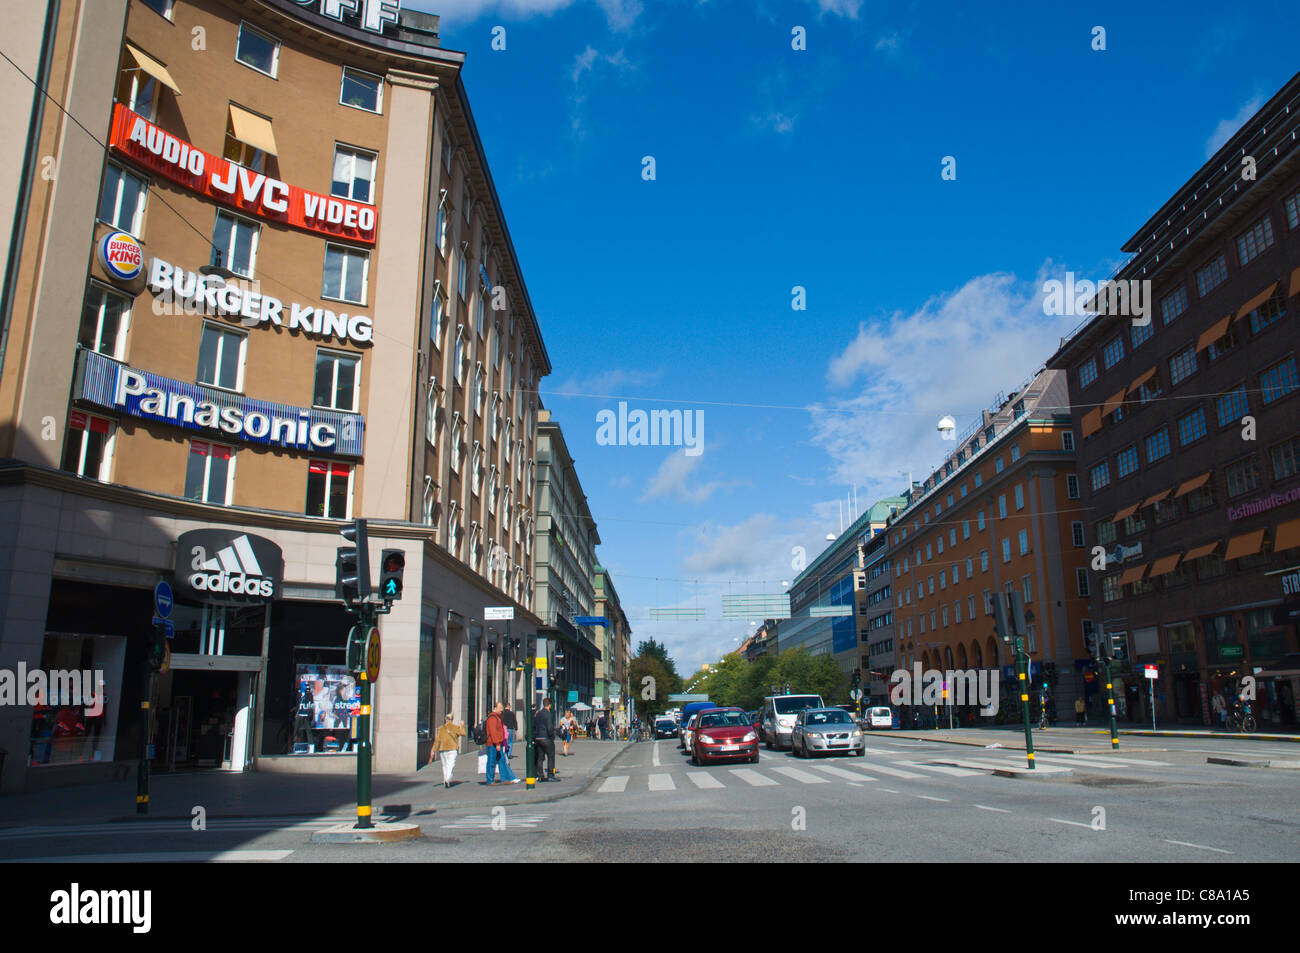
392	562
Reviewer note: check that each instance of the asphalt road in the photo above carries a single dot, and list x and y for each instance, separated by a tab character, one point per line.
909	799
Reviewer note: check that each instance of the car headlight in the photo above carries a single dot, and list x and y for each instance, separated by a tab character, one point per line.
750	737
857	734
707	739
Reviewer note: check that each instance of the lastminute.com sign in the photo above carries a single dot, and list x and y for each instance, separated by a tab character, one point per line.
370	15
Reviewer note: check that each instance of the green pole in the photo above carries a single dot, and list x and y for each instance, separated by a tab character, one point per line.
142	769
530	748
1022	659
363	740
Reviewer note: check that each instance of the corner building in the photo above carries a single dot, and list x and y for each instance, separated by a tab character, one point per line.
268	288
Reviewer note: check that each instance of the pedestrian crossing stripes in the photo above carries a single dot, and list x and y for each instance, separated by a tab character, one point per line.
173	826
503	821
704	780
798	775
662	782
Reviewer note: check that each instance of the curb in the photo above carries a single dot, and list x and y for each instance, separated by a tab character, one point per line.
1236	736
383	832
1238	763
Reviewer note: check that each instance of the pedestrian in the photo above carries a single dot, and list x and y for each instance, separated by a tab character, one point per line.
1080	711
1220	708
602	726
446	746
512	726
496	748
544	742
569	730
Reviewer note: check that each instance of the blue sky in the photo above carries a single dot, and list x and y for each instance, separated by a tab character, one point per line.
819	168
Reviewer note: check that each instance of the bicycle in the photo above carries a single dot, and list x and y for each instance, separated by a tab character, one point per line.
1242	719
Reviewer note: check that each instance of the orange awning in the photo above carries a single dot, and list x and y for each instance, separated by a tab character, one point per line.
1132	574
1200	551
1211	334
1155	499
1247	544
1141	379
1125	513
1113	401
1165	564
1295	283
1287	536
153	68
1256	301
1091	422
1193	484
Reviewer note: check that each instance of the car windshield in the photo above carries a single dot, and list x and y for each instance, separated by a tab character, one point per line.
827	718
665	723
792	704
881	712
724	719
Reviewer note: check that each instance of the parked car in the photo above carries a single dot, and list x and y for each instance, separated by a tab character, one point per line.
779	713
665	728
687	730
882	717
724	734
823	730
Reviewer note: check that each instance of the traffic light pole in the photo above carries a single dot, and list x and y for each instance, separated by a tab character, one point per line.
530	699
363	735
1022	667
1110	703
142	771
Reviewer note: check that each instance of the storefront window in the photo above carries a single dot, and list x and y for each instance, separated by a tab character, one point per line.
77	699
424	688
312	701
1221	643
1267	641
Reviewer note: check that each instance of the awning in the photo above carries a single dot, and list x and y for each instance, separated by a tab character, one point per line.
1156	499
1211	334
252	129
1132	574
1193	484
1247	544
1295	283
1113	401
1287	536
1125	513
1091	422
1200	551
1165	564
1256	301
1141	379
153	68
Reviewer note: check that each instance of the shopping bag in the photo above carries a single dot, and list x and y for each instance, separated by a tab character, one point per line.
482	764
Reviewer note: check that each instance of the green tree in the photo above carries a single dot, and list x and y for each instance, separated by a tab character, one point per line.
660	651
652	683
811	675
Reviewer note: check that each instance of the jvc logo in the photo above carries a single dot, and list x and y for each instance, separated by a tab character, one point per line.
233	569
102	907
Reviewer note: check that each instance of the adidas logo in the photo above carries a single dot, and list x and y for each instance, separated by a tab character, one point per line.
234	570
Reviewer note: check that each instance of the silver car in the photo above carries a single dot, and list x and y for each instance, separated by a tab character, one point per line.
820	730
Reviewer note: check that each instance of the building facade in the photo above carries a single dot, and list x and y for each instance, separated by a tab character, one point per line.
874	590
268	289
614	640
1188	436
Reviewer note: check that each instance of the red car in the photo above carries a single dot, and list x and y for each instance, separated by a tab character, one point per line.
724	734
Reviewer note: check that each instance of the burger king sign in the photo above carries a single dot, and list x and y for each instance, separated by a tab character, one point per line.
121	256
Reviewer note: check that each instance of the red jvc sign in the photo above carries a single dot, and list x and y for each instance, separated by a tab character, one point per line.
235	186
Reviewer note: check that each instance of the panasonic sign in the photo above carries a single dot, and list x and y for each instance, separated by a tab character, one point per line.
225	566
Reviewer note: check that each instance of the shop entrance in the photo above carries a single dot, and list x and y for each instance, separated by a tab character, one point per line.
204	719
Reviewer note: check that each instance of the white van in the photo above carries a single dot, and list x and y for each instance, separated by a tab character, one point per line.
778	717
880	718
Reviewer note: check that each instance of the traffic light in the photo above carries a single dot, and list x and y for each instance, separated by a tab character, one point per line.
1090	642
156	654
391	564
1000	617
1119	646
559	661
352	566
1017	612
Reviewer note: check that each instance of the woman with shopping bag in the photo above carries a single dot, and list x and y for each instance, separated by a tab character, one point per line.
446	746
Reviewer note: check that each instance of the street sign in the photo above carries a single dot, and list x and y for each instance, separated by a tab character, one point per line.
1231	651
498	613
167	625
1151	671
688	698
591	620
372	655
162	599
540	664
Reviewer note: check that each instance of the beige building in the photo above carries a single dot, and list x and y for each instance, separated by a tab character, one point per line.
260	284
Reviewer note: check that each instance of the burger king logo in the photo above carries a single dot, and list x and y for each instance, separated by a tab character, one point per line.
121	256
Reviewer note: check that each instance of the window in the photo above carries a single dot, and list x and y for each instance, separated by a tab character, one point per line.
1111	591
1158	445
1242	477
338	380
259	50
1268	312
979	480
1254	240
1006	550
1279	380
952	537
1173	305
243	153
1208	567
89	446
1191	426
1134	523
1150	390
1024	542
442	224
1002	506
431	413
139	91
944	614
1087	372
362	90
1210	276
345	274
1027	588
997	464
329	489
209	472
463	270
1222	346
963	491
1141	333
1099	476
1067	440
970	607
1076	533
1285	457
956	574
965	529
1081	581
221	357
1232	406
438	319
1126	461
1020	496
457	436
234	244
1182	365
1166	511
940	544
931	585
1104	530
1015	453
979	518
970	567
459	360
1201	499
104	319
943	580
929	553
1112	352
121	203
354	174
480	388
162	7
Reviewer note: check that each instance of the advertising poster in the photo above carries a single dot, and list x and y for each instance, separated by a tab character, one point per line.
328	700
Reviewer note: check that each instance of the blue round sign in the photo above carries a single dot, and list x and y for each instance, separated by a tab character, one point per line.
162	598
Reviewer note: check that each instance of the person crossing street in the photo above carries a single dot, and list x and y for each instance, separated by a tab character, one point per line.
544	741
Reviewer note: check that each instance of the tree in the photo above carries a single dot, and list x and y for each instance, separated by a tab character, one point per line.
652	683
659	651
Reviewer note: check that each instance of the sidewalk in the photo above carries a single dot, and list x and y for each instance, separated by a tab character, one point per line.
226	794
1066	739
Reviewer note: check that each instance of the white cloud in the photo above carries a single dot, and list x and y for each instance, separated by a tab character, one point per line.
673	479
1227	127
589	64
776	121
620	14
606	383
891	42
843	8
740	551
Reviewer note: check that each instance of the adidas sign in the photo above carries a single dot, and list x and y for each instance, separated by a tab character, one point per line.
216	565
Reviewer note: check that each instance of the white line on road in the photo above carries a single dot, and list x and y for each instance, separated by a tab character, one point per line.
942	769
751	777
997	809
163	857
887	790
662	782
655	759
926	797
1183	843
843	773
854	784
703	779
1057	820
614	785
803	776
893	772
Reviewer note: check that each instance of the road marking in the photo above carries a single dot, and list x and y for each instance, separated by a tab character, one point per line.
1074	823
942	769
926	797
1117	762
703	779
884	751
164	857
1183	843
662	782
115	829
893	772
655	758
854	784
887	790
997	809
614	785
803	776
752	777
486	822
842	773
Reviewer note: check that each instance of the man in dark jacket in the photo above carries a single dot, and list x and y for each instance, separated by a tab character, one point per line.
544	742
512	728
